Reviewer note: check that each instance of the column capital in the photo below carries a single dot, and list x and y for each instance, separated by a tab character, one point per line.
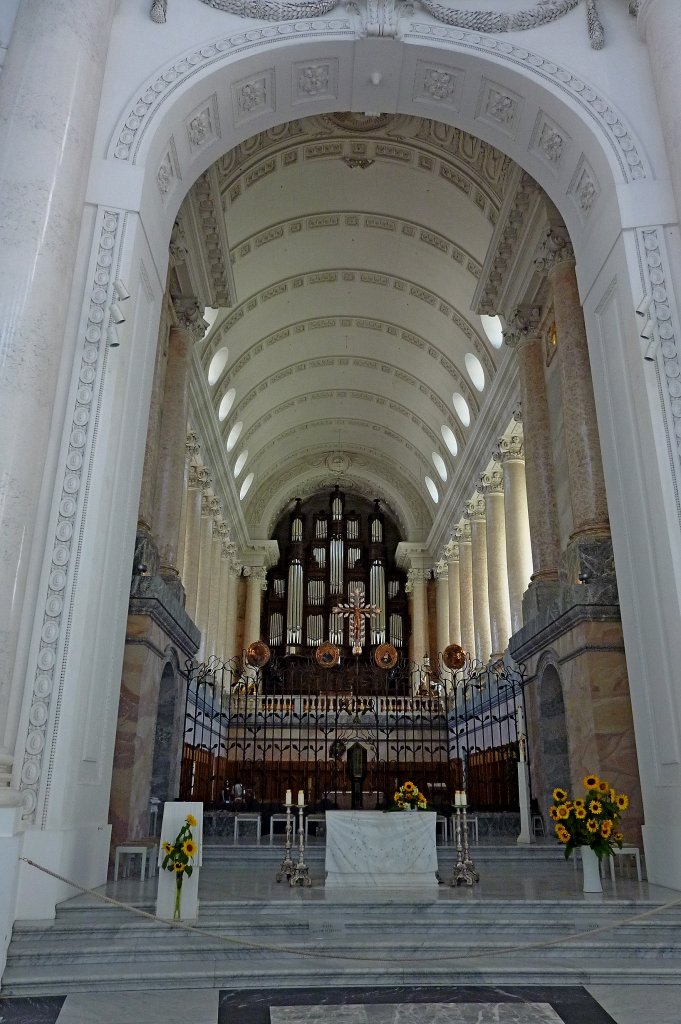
415	576
215	506
189	317
554	250
441	570
523	325
492	483
192	444
463	533
257	573
452	552
199	477
509	449
222	530
475	510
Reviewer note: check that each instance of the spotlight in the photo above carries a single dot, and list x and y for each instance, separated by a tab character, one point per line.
116	314
122	292
647	331
644	305
651	350
112	336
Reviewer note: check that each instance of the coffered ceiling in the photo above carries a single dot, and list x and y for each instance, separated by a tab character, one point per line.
349	247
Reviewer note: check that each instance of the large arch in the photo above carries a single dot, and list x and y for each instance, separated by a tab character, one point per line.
141	171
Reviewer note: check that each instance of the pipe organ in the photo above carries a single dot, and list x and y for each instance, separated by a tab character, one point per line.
326	549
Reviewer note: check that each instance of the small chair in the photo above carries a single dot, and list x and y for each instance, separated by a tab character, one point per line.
242	816
538	825
626	851
131	850
472	822
314	819
276	819
441	822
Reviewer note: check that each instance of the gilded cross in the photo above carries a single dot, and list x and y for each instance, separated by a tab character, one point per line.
358	612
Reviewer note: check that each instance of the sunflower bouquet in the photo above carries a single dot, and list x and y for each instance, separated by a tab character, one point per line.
178	857
592	820
408	797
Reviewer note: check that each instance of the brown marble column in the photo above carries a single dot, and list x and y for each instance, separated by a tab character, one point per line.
463	534
492	487
452	556
172	437
509	455
523	335
475	513
147	506
582	444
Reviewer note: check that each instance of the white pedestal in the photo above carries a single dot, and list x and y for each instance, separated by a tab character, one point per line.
174	816
526	835
373	850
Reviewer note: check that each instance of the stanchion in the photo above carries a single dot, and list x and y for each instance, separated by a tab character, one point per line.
464	870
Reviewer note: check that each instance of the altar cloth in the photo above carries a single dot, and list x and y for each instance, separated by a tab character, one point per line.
372	849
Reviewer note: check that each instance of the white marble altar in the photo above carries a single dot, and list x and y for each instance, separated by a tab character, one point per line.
381	851
418	1013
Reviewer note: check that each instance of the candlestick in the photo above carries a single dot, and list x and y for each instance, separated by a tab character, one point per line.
289	798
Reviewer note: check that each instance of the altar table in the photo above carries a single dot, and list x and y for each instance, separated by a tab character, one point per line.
372	849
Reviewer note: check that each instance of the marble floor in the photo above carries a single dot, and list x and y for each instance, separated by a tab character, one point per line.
634	1004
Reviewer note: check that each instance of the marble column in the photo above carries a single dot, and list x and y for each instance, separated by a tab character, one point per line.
172	438
492	487
232	608
225	560
509	455
475	512
205	567
452	557
147	506
442	606
192	449
523	334
256	584
49	102
199	480
659	24
219	531
582	444
463	534
416	582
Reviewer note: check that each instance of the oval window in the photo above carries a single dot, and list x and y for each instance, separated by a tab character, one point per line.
432	489
449	438
233	435
475	371
246	486
226	404
491	325
240	463
217	365
461	408
440	466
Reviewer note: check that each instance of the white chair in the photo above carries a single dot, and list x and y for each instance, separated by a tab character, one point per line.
472	822
441	822
538	825
626	851
131	851
315	819
243	817
276	819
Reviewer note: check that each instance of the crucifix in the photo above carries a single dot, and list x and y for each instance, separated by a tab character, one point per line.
357	611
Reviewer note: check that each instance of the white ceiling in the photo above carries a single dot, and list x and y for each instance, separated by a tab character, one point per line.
354	254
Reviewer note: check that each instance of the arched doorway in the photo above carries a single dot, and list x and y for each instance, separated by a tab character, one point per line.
553	734
149	165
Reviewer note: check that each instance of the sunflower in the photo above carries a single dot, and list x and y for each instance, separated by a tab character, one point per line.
563	811
595	807
606	828
580	812
167	847
618	837
409	789
591	825
577	803
563	834
553	813
622	801
591	781
191	821
397	796
613	796
178	866
422	800
189	848
603	786
559	795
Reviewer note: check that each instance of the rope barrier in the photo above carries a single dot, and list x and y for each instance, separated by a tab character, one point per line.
321	955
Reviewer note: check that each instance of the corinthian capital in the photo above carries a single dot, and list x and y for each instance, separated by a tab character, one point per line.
554	250
475	510
204	477
189	317
463	533
415	576
509	449
441	570
492	483
192	445
452	551
522	325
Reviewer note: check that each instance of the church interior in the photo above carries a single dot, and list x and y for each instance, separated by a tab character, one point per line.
283	561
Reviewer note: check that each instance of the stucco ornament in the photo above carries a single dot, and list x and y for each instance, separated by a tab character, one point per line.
380	16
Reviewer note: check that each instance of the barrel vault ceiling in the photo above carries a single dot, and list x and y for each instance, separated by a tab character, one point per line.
342	252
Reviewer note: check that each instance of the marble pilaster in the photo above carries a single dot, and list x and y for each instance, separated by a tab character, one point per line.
192	448
221	641
147	506
198	481
497	576
442	606
46	137
523	335
510	455
172	441
205	566
255	585
463	534
212	631
659	24
582	444
452	557
475	512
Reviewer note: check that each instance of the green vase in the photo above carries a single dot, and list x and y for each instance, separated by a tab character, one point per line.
177	912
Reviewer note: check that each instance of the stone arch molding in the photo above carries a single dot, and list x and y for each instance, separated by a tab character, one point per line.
171	125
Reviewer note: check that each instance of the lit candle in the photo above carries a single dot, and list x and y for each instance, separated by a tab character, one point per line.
464	798
289	798
301	798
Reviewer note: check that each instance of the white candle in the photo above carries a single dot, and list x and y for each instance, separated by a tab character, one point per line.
464	798
301	798
289	798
